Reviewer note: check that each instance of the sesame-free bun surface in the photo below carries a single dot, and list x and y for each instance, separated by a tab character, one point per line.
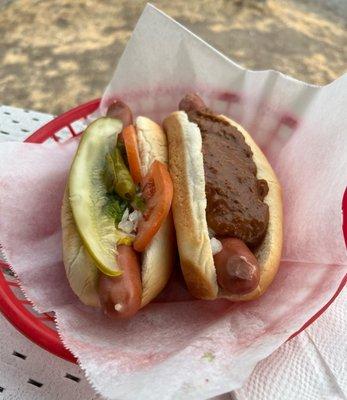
158	258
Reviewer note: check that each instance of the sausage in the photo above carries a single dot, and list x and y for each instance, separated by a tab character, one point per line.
121	111
191	102
120	296
237	268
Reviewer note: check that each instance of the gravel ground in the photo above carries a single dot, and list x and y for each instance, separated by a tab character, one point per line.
58	53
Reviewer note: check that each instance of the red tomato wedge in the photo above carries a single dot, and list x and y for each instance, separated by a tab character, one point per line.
130	142
157	191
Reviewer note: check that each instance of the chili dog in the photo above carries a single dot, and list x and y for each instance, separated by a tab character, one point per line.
118	244
227	205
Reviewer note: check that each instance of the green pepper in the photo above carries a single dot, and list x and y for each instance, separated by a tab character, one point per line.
123	183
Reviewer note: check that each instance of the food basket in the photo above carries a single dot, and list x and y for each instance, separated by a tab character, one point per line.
40	328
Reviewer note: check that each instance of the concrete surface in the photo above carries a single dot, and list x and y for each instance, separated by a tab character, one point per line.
55	54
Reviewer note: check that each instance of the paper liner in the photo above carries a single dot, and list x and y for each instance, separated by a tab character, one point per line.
177	347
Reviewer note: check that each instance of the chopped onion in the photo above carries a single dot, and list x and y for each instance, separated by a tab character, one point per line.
118	307
129	221
125	215
135	217
216	245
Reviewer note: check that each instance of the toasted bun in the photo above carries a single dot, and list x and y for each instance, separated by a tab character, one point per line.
157	259
189	211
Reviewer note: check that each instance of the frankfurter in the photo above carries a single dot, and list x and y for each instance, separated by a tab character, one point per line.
227	204
118	236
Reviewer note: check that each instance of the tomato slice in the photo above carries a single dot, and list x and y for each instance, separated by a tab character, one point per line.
157	191
130	142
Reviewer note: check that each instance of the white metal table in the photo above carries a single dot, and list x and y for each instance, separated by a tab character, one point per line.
313	365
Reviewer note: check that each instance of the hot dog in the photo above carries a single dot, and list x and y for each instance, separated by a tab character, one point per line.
227	204
118	109
104	213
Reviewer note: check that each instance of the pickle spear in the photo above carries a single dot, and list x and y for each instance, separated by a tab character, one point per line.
88	194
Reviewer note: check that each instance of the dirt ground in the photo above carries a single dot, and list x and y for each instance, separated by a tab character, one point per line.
55	54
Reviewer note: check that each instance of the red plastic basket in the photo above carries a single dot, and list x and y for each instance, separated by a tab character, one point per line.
40	327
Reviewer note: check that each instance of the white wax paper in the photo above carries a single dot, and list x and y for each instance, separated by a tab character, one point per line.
179	348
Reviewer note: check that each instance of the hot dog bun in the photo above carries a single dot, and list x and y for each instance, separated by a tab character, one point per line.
157	259
189	211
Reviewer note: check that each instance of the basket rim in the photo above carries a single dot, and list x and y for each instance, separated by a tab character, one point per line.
34	328
10	306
